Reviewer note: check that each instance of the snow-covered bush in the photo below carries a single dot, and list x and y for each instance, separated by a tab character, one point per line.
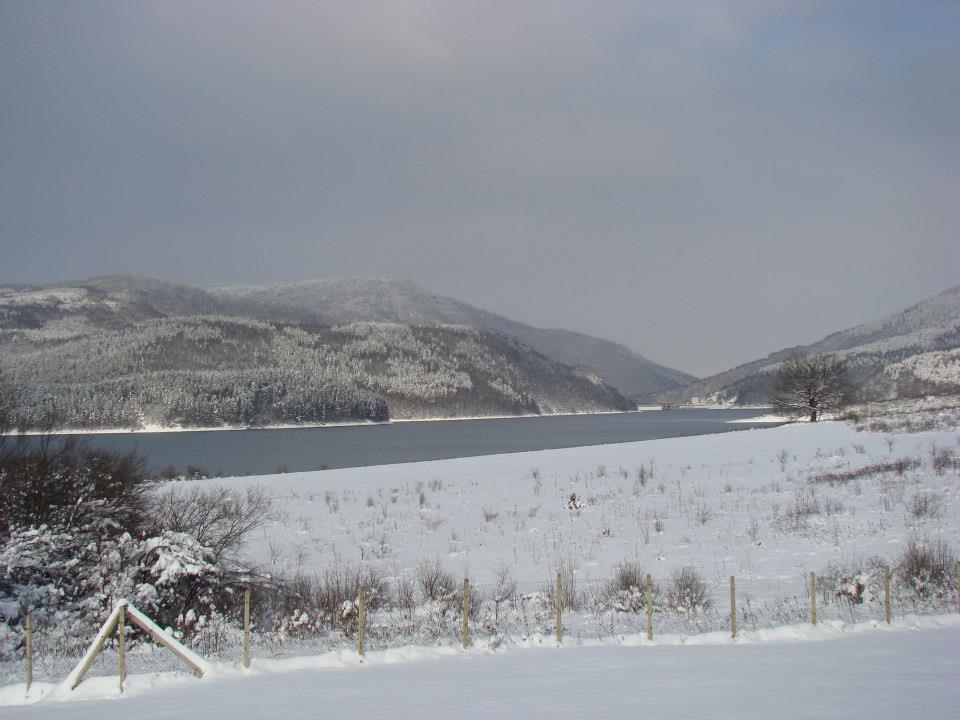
626	592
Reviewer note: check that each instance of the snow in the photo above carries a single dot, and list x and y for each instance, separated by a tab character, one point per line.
768	418
723	504
869	670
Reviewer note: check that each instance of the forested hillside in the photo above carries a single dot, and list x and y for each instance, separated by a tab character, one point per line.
70	310
210	371
393	299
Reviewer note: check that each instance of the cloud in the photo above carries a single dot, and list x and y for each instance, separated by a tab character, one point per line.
669	174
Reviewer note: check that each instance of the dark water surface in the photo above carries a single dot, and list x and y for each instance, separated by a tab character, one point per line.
238	452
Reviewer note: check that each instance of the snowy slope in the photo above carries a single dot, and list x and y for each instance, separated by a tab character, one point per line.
889	357
736	503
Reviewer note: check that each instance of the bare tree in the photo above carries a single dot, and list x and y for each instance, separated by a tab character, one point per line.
809	386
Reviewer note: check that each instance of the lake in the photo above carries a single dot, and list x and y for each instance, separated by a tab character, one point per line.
240	452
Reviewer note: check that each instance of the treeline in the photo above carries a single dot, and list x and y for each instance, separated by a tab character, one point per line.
198	399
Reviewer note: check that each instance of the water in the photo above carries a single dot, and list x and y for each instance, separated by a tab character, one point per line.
240	452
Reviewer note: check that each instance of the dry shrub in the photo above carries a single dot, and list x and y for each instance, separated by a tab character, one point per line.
572	596
899	466
942	460
218	517
927	567
435	582
406	593
688	591
926	505
304	604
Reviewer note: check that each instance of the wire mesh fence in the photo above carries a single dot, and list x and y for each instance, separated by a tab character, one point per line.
397	612
54	656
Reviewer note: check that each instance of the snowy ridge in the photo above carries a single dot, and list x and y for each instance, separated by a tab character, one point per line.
896	357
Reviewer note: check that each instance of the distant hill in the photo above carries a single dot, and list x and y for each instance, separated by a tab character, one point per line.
123	352
392	299
72	309
913	353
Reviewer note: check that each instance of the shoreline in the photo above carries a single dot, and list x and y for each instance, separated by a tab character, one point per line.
159	429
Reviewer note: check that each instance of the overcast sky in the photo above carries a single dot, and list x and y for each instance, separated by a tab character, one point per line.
704	181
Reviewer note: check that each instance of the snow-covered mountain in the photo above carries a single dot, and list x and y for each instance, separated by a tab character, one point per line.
393	299
124	351
913	353
116	301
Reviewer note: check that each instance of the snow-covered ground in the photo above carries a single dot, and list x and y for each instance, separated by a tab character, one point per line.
764	505
907	670
732	504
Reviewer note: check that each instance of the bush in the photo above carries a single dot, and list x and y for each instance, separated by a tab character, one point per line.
942	460
899	466
73	579
627	591
435	582
64	484
926	505
927	568
573	597
218	517
305	605
688	591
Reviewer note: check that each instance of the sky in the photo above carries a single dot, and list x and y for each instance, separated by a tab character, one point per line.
705	182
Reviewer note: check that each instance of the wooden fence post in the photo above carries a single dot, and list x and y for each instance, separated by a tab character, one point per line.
362	623
649	608
559	605
813	598
28	651
886	595
122	645
958	585
466	613
733	607
246	628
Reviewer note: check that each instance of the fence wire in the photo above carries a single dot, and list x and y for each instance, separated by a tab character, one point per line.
398	613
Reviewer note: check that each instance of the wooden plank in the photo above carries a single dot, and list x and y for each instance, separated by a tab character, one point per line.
813	598
559	604
246	628
28	651
96	646
122	646
733	606
188	657
887	613
362	623
466	613
649	608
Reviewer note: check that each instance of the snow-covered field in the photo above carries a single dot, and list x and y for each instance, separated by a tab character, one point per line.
764	505
731	504
908	670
